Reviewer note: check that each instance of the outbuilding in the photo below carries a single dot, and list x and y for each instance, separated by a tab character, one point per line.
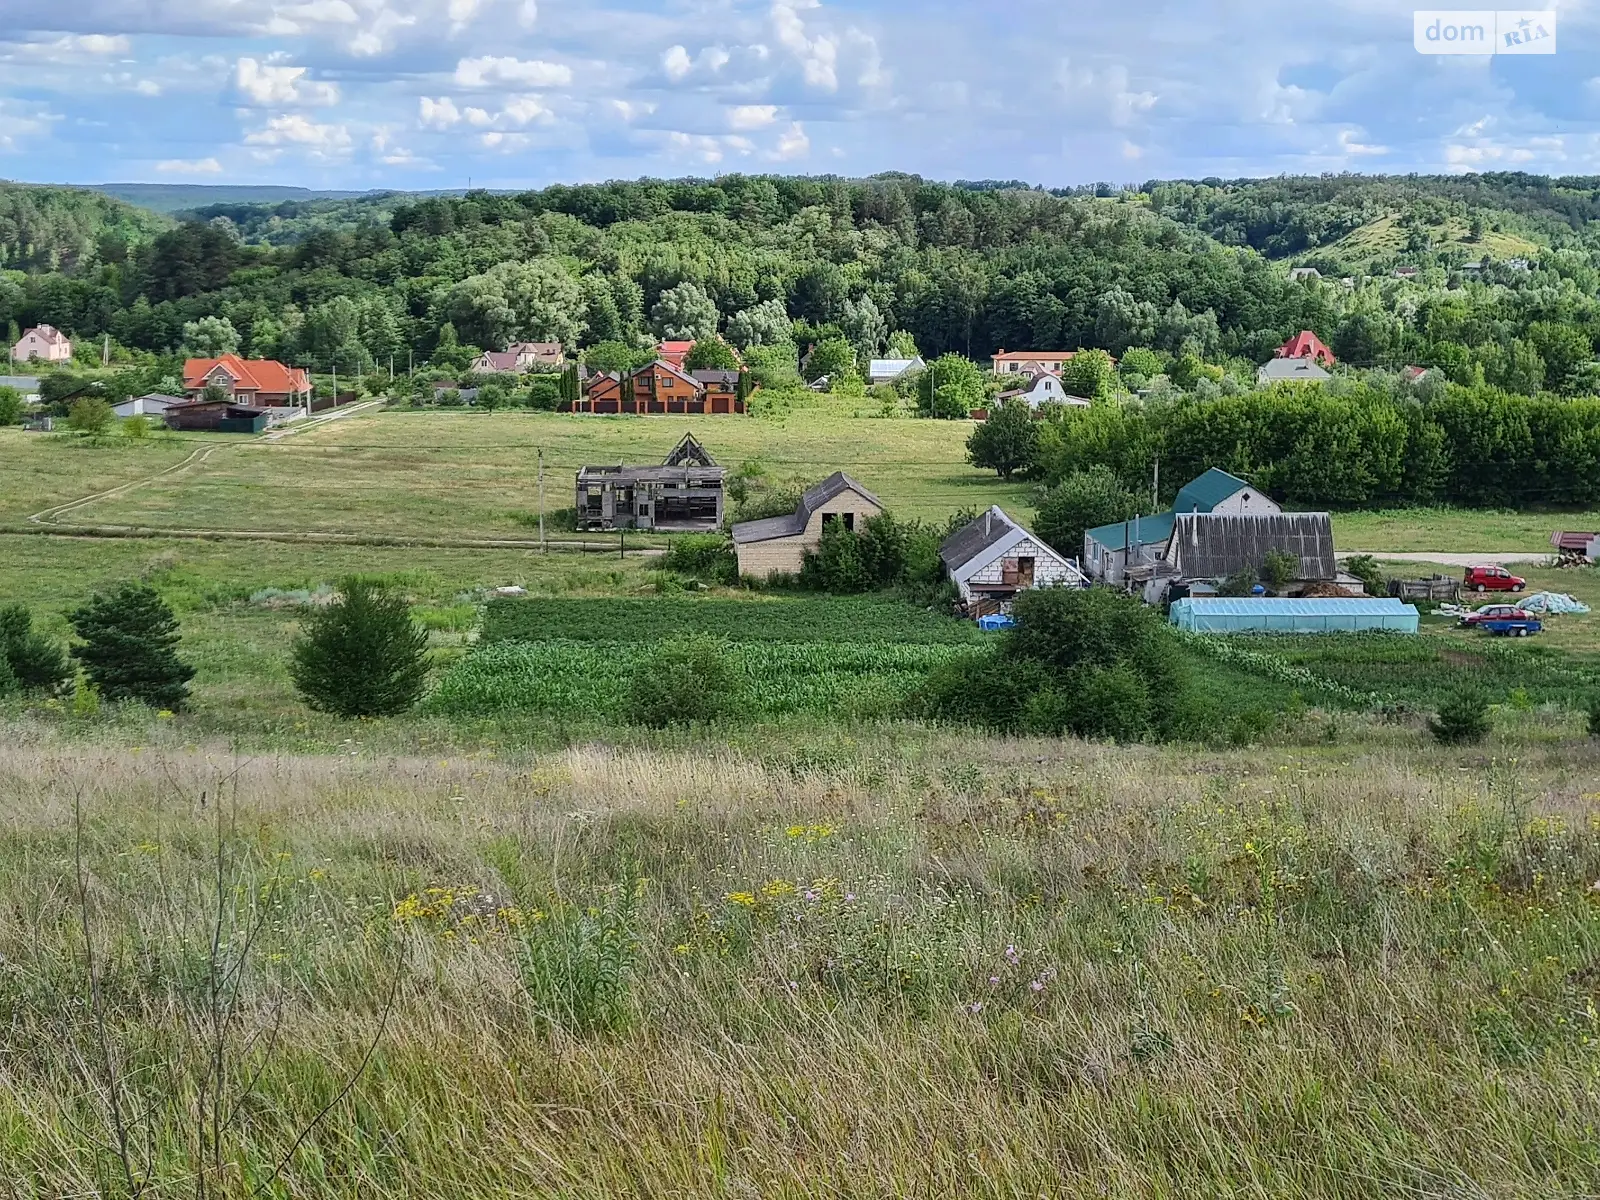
992	558
1274	614
778	545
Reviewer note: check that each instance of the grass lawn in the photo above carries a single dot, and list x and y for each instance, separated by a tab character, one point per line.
470	474
1454	530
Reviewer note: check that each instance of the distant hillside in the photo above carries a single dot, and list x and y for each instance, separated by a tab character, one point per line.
176	197
54	228
1389	238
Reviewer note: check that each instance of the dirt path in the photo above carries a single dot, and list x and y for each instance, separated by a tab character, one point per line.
50	520
1498	558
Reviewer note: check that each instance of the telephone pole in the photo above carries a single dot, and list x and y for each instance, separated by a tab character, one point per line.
543	549
1155	487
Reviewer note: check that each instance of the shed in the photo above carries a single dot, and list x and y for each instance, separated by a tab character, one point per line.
992	558
778	545
1269	614
1216	545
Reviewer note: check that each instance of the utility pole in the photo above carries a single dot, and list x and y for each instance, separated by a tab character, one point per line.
391	368
543	549
335	383
1155	487
105	352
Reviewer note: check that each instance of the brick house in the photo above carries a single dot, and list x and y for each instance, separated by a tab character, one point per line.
258	382
778	545
660	388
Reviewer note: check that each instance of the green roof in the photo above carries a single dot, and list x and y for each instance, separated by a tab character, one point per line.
1208	491
1145	531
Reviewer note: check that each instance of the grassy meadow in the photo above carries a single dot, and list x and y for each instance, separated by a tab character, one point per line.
874	964
471	474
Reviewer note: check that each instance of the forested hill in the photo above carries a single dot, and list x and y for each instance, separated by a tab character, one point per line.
59	229
781	260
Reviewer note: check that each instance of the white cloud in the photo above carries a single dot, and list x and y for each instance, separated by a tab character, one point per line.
752	116
818	55
147	87
676	62
189	166
629	109
393	155
1131	151
698	145
714	58
438	114
1348	143
96	43
486	71
523	109
528	15
294	129
504	142
461	13
269	83
318	12
477	116
793	143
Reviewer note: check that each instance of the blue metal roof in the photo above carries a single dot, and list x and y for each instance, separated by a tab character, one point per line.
1317	606
1145	531
1206	492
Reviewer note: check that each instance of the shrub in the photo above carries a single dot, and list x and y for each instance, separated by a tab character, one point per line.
135	428
31	661
991	691
1279	568
682	681
90	415
1594	715
11	406
1110	702
710	354
1241	583
1463	719
707	556
837	564
1365	568
130	644
362	655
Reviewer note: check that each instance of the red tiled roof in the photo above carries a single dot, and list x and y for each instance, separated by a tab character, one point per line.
674	352
1305	344
1032	355
254	375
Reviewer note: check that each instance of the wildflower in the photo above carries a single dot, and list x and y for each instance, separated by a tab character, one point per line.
775	889
164	715
681	948
994	981
1012	955
975	1007
743	899
1037	985
812	895
793	986
849	897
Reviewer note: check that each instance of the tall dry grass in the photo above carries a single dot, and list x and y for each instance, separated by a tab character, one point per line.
953	966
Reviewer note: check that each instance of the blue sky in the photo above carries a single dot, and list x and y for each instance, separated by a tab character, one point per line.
509	93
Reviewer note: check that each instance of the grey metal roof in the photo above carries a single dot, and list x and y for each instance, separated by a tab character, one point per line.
794	523
1215	545
974	537
1291	368
652	474
715	375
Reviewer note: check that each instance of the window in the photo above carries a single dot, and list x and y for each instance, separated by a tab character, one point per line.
850	521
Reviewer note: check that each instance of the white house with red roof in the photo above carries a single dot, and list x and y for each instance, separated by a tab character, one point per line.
1306	344
257	382
44	342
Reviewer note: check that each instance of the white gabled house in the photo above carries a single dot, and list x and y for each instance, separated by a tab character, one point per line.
992	558
1044	388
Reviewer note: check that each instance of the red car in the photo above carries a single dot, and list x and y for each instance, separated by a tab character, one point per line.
1495	612
1492	579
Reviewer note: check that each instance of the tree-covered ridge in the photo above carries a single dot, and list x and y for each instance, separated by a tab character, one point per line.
60	229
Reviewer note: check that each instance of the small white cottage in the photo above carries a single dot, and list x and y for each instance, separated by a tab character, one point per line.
1044	389
992	558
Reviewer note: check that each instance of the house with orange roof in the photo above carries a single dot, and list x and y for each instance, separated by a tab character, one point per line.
674	352
257	382
1030	362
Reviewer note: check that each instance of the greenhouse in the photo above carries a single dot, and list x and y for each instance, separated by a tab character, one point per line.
1332	614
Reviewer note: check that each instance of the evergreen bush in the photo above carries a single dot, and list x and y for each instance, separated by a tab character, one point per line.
32	661
362	655
1462	720
130	647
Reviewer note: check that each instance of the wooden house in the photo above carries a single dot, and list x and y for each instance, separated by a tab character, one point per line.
778	545
683	494
992	558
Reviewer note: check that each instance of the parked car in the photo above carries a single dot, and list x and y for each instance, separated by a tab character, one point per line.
1492	579
1495	612
1511	626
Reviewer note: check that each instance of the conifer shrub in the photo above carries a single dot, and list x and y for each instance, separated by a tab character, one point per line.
362	655
1462	720
129	647
31	661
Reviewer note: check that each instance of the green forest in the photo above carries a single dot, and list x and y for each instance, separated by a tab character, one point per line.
1185	283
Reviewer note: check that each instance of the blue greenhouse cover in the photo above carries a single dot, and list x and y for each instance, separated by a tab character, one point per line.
995	621
1282	614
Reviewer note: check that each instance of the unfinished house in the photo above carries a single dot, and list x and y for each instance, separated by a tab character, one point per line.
682	495
992	558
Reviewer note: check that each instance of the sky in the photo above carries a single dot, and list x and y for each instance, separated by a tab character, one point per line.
421	94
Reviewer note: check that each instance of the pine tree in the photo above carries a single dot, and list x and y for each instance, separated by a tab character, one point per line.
30	660
361	656
129	650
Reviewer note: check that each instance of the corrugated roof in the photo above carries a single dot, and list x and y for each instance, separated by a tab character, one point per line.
975	536
794	523
1205	492
1150	530
768	528
1216	545
1291	368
